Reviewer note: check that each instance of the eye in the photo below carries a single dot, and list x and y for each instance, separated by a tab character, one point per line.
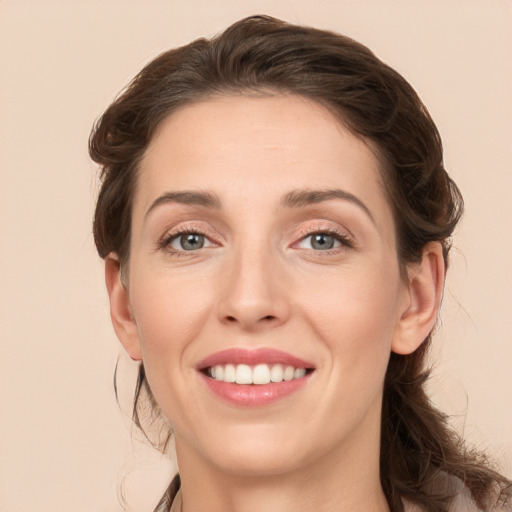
187	241
324	241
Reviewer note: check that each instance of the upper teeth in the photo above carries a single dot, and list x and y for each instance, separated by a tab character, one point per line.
259	374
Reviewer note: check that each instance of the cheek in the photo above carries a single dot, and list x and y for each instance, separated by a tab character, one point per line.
169	314
355	313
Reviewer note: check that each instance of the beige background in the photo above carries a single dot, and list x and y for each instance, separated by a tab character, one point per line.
63	443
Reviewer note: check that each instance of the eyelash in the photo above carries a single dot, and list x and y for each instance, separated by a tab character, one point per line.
345	241
165	242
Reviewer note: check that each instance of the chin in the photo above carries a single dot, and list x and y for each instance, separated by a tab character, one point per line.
244	450
268	450
264	462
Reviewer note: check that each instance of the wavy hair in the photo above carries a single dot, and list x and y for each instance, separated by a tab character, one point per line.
264	55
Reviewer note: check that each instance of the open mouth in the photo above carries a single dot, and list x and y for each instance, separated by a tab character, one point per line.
258	377
259	374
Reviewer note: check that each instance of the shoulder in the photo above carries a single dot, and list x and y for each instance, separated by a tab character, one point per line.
462	500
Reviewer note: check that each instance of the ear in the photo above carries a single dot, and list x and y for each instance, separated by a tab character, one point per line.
423	292
120	312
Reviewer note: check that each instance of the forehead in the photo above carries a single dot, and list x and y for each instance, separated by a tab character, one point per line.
257	148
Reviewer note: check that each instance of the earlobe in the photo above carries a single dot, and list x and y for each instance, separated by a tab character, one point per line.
123	322
423	294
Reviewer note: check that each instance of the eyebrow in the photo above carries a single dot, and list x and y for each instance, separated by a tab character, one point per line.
298	198
189	197
293	199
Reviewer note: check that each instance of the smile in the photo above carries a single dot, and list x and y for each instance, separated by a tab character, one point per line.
258	375
254	378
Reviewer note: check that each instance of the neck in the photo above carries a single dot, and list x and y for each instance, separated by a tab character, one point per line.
283	495
345	480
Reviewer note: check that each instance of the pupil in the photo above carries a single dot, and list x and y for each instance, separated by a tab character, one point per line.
322	241
192	241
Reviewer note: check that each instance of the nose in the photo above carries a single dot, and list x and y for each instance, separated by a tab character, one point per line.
253	293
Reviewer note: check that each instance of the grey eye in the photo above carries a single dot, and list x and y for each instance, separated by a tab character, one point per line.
189	242
322	241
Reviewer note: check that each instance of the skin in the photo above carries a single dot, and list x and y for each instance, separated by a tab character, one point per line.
258	282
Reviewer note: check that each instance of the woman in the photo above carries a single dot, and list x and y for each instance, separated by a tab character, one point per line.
275	220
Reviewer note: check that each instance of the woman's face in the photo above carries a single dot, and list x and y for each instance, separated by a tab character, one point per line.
262	239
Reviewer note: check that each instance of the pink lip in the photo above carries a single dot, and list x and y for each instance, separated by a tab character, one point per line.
252	358
250	395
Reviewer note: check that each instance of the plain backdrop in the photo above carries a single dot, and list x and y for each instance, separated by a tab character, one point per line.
64	444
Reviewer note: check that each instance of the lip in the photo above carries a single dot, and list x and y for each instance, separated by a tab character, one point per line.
253	395
253	357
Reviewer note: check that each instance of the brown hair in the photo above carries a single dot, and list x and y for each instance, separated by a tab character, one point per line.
261	54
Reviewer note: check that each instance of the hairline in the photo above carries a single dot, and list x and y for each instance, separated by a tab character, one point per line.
262	91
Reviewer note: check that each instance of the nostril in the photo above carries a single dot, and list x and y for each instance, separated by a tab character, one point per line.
267	318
